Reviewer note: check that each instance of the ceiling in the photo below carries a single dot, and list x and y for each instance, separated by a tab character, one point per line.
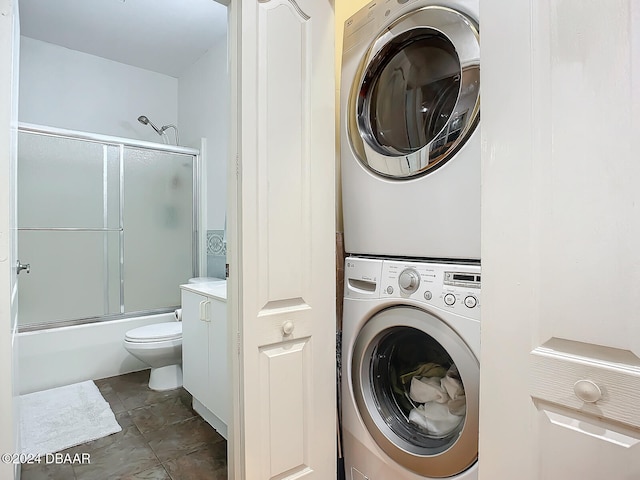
164	36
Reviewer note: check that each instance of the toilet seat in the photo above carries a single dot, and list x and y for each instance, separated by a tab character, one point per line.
158	332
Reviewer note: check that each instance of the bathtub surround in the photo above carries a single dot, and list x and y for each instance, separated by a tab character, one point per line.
61	356
63	417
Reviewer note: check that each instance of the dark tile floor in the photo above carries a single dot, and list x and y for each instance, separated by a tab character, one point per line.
162	438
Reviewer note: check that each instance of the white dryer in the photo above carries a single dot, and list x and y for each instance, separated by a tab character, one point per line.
410	142
410	370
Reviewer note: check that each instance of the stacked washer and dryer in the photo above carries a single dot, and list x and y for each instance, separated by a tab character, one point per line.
410	151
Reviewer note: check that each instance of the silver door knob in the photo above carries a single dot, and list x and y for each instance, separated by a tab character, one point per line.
21	267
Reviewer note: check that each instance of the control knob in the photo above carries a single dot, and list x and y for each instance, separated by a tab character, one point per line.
409	280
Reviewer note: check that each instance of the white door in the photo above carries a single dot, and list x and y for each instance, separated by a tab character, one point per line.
282	276
560	359
9	35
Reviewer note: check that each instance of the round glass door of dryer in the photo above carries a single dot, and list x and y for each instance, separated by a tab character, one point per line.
415	383
416	97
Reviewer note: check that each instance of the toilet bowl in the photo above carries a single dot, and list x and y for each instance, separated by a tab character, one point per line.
159	346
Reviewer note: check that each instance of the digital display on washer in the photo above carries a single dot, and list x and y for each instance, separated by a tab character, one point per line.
462	279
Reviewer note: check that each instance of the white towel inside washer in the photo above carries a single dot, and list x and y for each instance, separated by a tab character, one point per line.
435	418
425	389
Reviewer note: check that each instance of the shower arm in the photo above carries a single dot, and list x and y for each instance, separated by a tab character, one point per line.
164	128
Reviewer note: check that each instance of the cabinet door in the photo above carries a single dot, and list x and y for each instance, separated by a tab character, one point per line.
218	362
195	347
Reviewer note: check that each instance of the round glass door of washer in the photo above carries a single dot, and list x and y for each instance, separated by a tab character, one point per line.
415	383
416	97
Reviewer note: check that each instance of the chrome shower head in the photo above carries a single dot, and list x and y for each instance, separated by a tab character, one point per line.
145	121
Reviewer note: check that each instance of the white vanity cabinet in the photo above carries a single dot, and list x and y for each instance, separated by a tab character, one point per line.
204	351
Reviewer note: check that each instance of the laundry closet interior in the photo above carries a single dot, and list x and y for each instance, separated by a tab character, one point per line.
410	173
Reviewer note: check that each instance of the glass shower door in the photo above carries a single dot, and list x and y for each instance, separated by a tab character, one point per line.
68	228
158	228
109	227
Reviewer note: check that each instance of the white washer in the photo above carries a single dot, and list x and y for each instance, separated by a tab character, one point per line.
407	322
410	146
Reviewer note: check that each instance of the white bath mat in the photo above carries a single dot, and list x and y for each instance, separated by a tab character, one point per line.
63	417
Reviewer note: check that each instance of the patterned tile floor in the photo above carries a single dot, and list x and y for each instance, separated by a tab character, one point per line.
162	438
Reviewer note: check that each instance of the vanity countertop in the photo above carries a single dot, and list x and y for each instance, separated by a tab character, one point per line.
216	289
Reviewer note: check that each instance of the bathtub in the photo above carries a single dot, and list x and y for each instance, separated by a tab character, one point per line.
61	356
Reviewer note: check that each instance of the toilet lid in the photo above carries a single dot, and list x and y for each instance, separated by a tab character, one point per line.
155	333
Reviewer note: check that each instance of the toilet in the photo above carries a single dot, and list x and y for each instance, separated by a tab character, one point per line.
160	346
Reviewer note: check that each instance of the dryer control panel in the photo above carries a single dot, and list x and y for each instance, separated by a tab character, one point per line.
448	286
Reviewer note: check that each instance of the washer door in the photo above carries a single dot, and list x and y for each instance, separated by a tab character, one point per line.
415	383
416	97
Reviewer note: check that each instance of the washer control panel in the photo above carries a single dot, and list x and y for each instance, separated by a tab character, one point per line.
449	286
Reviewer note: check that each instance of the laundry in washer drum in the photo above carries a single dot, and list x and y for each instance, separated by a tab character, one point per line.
437	397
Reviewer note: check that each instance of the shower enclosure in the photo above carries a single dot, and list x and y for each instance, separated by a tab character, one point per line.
108	226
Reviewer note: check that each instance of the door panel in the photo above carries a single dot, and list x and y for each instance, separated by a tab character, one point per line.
283	107
282	369
560	337
286	257
614	446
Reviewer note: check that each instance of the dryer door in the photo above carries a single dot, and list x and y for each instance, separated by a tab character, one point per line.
416	98
415	382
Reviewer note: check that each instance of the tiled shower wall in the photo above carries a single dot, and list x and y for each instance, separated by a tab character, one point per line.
216	254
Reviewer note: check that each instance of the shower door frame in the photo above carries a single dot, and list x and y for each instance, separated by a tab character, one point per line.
120	143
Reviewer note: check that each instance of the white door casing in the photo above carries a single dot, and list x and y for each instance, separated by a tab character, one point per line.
282	276
560	361
9	44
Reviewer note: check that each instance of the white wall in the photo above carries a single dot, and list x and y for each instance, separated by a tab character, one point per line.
64	88
203	112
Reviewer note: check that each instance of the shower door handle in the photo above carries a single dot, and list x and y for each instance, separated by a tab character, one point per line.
21	267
